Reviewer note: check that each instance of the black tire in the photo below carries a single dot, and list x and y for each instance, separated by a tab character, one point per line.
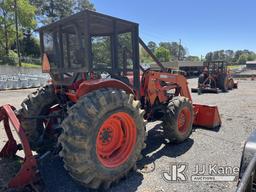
81	127
231	84
201	80
170	121
222	82
37	103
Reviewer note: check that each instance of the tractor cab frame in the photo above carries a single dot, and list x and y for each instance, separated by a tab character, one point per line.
215	67
89	44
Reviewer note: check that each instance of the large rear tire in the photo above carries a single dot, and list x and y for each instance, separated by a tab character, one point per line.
222	82
231	84
104	134
178	120
201	80
37	103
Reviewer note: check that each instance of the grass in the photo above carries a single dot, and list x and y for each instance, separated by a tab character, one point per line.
235	66
30	65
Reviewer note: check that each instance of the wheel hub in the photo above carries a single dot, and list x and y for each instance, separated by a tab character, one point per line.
116	139
106	135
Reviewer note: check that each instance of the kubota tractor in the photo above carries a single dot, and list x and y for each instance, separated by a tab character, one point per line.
215	77
95	109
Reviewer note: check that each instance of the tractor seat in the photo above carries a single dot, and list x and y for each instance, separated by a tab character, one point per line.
123	79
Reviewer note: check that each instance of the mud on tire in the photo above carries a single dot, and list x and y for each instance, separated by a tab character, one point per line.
81	128
37	103
174	131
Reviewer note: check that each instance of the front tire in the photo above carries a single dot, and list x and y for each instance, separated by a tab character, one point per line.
177	122
104	134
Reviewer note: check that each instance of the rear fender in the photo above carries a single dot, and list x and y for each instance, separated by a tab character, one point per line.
92	85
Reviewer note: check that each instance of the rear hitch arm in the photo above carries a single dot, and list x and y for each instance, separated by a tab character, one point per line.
28	171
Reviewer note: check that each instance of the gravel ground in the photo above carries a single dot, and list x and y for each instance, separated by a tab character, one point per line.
221	147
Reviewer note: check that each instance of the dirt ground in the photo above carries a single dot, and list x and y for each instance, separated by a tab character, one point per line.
221	147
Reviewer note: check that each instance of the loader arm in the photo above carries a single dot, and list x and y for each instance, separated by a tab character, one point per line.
157	84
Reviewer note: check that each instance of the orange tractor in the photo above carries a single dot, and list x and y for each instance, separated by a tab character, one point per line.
215	77
96	108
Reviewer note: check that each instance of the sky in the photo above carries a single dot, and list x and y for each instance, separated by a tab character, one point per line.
202	25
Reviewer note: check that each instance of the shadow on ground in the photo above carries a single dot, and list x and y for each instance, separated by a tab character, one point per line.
158	146
56	178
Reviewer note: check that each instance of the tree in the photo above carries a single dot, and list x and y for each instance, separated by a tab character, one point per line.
176	51
192	58
29	45
26	19
144	56
49	11
209	56
251	57
81	5
229	54
152	46
163	54
6	26
242	58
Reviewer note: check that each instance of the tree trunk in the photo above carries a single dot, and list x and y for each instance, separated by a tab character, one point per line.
6	35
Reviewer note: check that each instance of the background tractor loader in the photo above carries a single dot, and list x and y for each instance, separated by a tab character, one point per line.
94	112
215	77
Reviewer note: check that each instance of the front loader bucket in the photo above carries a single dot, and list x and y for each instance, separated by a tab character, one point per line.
28	170
206	116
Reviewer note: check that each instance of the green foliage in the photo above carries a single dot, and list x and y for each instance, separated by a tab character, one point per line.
13	54
26	14
144	56
30	65
251	57
101	52
31	12
26	19
80	5
163	54
30	45
176	51
52	10
242	58
125	50
192	58
164	51
152	46
12	59
239	56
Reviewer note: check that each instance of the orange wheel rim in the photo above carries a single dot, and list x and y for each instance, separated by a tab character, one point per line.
184	119
116	140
